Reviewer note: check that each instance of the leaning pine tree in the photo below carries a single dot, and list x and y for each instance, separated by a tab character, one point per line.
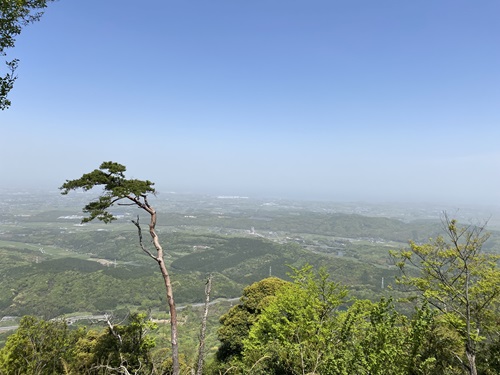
119	190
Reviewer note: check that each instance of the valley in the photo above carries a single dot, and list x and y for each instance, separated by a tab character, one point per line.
55	267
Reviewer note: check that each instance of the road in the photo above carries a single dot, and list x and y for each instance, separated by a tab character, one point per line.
10	328
73	319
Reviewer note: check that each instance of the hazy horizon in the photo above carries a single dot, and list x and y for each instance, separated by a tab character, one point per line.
320	100
164	192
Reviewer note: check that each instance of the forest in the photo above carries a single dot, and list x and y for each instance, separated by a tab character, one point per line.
296	290
444	321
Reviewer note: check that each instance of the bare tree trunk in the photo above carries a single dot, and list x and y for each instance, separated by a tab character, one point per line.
166	277
201	351
471	358
469	347
116	188
170	294
464	253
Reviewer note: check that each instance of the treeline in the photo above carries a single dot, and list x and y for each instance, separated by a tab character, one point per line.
50	347
326	224
67	285
63	285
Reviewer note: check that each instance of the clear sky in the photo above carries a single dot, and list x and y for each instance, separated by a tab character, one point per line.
355	100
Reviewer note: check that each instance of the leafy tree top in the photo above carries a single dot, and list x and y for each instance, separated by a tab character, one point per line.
111	176
14	15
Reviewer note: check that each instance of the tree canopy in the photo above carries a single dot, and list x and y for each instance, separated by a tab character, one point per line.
460	281
42	347
236	323
111	177
116	187
14	15
39	347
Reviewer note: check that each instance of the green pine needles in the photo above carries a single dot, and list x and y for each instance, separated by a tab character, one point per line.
111	177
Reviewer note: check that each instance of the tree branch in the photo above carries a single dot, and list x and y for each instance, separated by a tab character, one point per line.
141	244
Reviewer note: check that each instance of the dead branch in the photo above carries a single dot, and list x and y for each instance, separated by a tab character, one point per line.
201	350
141	244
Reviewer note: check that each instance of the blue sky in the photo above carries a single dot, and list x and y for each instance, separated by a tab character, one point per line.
395	101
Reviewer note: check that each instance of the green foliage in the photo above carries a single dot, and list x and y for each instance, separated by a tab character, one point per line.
317	224
435	348
53	288
354	337
65	285
14	15
459	280
373	338
127	345
116	187
237	322
308	327
38	347
489	356
245	260
42	347
238	261
296	329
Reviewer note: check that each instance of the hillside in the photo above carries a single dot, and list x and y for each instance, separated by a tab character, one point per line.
52	265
